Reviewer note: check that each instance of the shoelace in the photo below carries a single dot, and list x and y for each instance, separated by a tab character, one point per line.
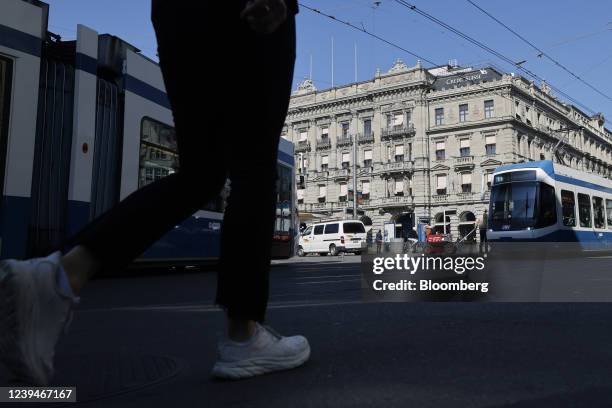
271	331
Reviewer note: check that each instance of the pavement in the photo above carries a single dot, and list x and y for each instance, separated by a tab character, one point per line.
149	340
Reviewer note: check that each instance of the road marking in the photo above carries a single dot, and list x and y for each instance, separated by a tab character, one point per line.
215	309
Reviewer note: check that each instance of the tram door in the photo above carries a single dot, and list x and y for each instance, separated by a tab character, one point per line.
106	176
52	152
5	97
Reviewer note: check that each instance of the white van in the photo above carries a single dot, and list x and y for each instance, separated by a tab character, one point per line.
333	237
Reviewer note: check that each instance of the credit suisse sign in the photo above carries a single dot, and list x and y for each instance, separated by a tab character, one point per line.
466	79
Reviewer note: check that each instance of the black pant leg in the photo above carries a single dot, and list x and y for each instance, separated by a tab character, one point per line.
248	225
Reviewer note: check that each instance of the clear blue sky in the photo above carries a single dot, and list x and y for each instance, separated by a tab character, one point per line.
577	34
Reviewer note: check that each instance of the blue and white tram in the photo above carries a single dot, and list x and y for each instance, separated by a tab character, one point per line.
84	123
543	201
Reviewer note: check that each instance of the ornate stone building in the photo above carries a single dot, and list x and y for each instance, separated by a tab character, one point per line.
428	141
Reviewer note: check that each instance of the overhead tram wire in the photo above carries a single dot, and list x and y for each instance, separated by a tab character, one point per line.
401	48
363	30
392	44
540	51
495	53
395	46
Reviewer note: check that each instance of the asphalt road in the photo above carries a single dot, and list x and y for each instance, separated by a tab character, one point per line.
150	341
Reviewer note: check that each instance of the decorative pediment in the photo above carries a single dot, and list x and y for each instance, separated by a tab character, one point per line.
398	66
490	162
440	167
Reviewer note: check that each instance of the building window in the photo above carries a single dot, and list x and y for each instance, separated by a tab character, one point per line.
346	160
303	163
489	176
399	188
584	210
568	205
441	184
599	216
440	150
345	129
489	108
466	182
464	147
300	195
490	143
365	190
324	163
367	127
399	153
322	193
439	116
303	135
463	111
343	192
367	158
324	133
398	120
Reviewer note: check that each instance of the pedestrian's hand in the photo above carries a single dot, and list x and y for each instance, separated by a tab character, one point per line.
264	16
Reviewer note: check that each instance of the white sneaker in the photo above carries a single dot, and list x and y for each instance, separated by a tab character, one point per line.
33	315
265	352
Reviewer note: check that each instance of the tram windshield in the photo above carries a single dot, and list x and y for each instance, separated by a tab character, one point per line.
517	206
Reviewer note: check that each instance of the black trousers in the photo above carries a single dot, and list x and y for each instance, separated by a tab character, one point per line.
483	240
229	90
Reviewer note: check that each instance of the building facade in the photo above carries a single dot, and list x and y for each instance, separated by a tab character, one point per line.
427	142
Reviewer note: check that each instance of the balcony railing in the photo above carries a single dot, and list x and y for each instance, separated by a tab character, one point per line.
365	137
393	201
302	146
344	140
395	167
440	198
393	132
324	206
339	173
464	161
466	196
324	143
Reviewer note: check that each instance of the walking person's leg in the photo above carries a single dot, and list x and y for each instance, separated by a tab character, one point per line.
248	225
38	294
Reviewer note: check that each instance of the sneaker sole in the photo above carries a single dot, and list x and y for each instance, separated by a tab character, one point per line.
10	352
257	366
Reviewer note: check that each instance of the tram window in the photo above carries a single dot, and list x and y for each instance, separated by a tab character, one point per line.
598	213
568	202
609	213
318	230
283	205
158	151
584	210
528	175
548	207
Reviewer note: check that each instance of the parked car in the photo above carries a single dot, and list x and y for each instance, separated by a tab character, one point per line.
333	237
